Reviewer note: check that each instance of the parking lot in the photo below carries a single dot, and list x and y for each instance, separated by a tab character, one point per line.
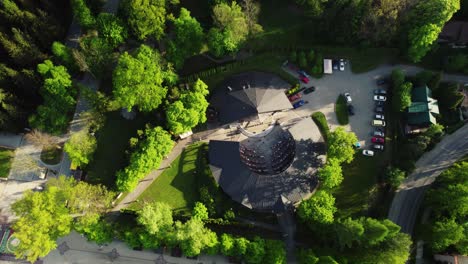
329	87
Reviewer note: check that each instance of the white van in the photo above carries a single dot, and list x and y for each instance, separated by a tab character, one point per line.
378	123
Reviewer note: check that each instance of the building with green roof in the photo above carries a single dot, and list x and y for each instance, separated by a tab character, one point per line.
423	107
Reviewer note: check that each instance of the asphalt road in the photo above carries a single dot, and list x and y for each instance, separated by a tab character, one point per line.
408	198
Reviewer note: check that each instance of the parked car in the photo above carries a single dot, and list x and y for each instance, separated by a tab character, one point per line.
342	65
378	133
348	98
381	81
380	92
309	90
303	73
380	117
298	104
350	110
379	109
335	64
379	103
295	97
378	123
378	140
367	152
378	147
304	79
380	98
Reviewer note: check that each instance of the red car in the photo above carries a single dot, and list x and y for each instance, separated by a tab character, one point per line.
293	98
304	79
378	140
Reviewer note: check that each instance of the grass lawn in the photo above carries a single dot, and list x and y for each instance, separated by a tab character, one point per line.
112	143
6	156
177	185
360	179
341	110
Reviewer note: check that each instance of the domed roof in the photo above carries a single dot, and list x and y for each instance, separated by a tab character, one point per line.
268	153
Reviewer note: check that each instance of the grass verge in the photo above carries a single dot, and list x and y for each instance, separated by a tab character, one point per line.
112	143
321	121
341	110
6	157
177	185
360	177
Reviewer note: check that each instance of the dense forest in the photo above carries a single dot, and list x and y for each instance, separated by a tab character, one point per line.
27	31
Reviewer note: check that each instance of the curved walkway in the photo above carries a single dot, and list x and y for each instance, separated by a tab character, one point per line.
408	198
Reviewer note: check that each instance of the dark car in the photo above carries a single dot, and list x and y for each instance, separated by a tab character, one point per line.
380	92
379	109
381	81
378	147
379	103
304	79
298	104
351	110
309	90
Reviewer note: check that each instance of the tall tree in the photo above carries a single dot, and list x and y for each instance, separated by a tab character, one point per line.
83	14
80	147
341	145
138	80
348	231
112	29
190	110
147	18
188	38
231	28
320	208
151	149
426	21
157	219
58	94
194	237
331	174
43	217
255	251
251	11
374	231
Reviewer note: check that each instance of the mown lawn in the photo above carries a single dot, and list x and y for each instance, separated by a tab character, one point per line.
360	176
6	157
112	143
177	185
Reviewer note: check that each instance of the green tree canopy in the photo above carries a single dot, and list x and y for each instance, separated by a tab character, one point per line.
80	147
394	176
45	216
188	38
112	29
275	252
331	174
231	28
227	245
41	221
348	231
194	237
157	219
138	80
83	13
200	212
426	21
151	149
147	18
59	98
341	145
374	231
255	251
190	110
307	256
320	208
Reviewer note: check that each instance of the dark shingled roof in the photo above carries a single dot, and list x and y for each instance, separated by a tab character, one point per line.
269	192
266	94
